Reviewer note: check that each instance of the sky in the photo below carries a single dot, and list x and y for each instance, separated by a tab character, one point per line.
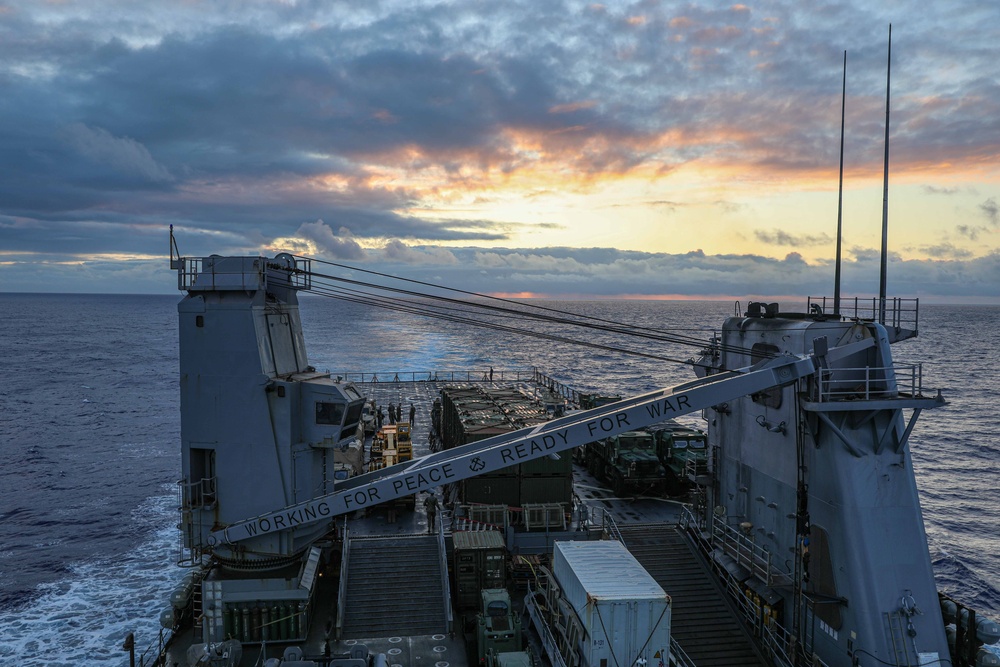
540	148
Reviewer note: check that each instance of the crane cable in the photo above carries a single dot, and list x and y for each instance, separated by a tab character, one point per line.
411	309
617	327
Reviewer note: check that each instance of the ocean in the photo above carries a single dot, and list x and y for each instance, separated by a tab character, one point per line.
89	434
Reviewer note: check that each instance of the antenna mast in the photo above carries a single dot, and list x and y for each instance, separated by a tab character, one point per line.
885	192
840	194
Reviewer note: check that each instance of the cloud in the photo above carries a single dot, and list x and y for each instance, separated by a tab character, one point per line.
397	251
337	246
237	125
990	211
782	238
933	190
971	232
946	251
121	153
579	273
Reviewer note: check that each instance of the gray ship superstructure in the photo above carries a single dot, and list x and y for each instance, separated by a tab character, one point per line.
258	430
813	498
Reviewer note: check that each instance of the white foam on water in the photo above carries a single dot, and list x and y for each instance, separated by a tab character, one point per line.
84	618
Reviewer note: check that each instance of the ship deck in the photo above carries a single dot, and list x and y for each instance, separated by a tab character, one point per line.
453	649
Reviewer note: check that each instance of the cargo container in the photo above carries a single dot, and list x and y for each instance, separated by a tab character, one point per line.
492	490
478	563
546	466
624	615
548	489
470	414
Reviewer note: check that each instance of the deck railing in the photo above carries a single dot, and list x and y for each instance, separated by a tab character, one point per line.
899	313
870	383
468	375
443	568
244	273
193	496
742	547
156	652
342	589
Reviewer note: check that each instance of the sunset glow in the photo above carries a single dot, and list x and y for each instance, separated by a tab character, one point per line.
622	146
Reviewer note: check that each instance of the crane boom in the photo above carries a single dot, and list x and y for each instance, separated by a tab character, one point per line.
527	444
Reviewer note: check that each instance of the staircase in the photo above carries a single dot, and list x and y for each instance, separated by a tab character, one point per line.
702	620
394	588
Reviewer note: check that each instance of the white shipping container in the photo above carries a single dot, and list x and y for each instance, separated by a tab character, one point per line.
624	613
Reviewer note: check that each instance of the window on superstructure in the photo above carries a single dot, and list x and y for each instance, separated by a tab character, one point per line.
353	415
329	413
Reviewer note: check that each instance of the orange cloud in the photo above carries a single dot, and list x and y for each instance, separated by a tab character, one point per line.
518	295
572	106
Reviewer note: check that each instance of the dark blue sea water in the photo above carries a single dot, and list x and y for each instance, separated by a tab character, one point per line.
89	438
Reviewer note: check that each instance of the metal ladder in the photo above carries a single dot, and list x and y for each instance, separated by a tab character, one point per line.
196	611
897	638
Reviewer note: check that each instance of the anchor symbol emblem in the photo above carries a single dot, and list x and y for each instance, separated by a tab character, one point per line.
476	464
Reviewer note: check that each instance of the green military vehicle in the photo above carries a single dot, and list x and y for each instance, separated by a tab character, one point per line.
509	659
627	463
683	451
499	626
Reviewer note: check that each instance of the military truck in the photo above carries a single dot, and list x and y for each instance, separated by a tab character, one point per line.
367	423
393	444
509	659
498	625
683	452
590	401
627	462
342	472
350	454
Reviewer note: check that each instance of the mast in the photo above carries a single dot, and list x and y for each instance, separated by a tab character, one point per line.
885	192
840	193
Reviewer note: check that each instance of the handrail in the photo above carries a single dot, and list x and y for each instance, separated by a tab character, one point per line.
557	387
868	383
342	588
775	639
746	551
472	375
193	496
678	657
611	528
244	273
160	645
446	590
899	312
198	494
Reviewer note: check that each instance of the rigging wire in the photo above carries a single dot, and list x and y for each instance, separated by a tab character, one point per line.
437	314
382	302
690	339
494	311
